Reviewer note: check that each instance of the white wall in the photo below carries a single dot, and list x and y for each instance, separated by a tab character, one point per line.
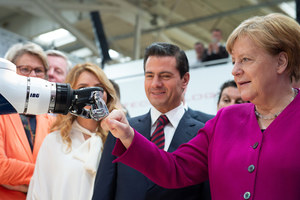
201	94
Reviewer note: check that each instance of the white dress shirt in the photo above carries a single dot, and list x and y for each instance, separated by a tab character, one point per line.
61	175
174	117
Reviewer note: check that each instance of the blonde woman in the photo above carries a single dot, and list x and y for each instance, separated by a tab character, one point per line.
68	159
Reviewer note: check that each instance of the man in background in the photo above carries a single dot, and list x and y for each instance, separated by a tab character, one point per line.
200	52
215	49
167	75
119	104
59	65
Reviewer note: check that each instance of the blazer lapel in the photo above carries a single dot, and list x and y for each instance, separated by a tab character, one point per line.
20	134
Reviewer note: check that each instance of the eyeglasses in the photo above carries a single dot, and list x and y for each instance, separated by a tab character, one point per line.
26	70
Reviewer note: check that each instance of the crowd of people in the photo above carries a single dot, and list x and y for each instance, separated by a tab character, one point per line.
172	151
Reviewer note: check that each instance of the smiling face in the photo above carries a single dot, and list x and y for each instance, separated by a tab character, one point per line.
163	85
255	71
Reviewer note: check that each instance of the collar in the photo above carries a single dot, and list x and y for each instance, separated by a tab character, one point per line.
89	152
173	115
78	128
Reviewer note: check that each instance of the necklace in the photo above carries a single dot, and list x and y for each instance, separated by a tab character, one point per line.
276	114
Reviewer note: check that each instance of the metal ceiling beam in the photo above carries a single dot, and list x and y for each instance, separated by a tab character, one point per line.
15	2
137	38
52	14
225	13
88	7
146	19
205	18
60	5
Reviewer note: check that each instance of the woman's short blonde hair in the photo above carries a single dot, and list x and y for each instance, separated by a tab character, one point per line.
275	33
19	49
64	123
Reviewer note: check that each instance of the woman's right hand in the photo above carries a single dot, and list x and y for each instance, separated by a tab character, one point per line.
118	125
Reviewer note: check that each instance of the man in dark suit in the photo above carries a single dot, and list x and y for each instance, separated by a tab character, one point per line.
166	77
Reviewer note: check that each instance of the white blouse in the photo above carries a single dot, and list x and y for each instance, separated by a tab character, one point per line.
64	175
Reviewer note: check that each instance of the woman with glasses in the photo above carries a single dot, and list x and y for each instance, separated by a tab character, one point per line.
22	135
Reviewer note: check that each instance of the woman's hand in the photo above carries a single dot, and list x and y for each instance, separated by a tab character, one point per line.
118	125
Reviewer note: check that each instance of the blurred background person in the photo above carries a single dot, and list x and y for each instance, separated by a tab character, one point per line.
59	66
119	104
22	135
68	160
200	52
216	50
229	95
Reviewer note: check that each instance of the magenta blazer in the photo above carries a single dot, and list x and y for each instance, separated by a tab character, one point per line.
240	161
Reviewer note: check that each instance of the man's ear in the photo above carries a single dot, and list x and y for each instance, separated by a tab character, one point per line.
283	61
186	79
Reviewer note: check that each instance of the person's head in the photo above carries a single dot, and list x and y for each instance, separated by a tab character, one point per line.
265	51
29	58
229	95
166	75
81	76
216	35
199	49
59	65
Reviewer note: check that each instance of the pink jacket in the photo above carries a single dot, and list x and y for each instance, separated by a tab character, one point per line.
240	161
16	158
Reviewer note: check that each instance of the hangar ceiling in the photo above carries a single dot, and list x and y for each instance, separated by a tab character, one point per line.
130	25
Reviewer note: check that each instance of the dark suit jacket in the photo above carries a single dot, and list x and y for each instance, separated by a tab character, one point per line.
118	181
200	116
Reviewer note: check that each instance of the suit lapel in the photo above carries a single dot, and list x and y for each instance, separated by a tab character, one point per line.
184	132
142	124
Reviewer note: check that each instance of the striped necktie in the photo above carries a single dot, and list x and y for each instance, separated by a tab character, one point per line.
158	136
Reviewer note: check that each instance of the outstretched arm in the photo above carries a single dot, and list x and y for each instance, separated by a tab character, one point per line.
186	166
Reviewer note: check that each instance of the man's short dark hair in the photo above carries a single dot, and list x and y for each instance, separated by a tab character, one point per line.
161	49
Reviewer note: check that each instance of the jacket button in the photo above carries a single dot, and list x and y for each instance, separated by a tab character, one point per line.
251	168
247	195
255	145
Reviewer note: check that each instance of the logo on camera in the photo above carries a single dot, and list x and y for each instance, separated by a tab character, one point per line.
34	95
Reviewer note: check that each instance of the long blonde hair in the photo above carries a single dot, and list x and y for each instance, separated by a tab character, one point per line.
64	122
